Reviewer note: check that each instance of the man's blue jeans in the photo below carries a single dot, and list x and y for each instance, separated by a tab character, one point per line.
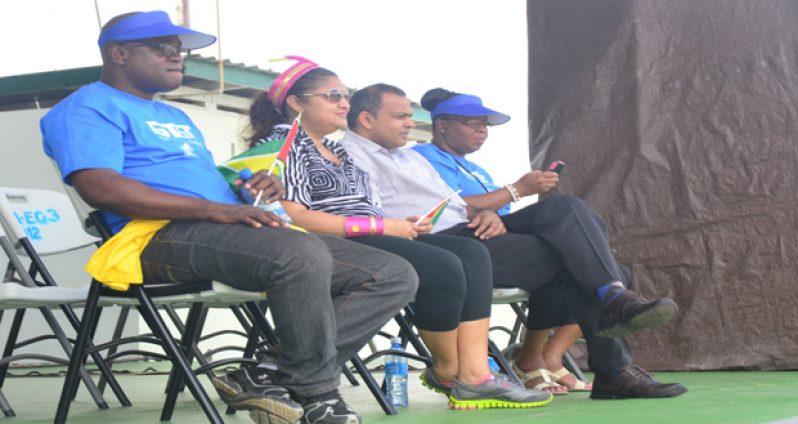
328	296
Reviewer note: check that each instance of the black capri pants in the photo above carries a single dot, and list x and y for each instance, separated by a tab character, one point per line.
455	277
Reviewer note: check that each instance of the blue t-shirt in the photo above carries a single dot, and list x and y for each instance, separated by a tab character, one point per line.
148	141
460	173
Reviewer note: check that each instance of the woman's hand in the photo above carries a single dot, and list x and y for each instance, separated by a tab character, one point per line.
399	228
425	226
487	224
535	182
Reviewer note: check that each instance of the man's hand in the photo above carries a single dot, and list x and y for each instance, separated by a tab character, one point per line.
271	185
243	214
487	224
534	182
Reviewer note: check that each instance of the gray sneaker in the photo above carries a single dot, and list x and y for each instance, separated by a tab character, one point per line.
431	381
497	392
252	389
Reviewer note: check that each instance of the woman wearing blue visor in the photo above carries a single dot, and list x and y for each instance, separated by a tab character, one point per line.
574	233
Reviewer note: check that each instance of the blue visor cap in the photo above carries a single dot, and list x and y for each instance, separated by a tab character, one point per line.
468	105
151	25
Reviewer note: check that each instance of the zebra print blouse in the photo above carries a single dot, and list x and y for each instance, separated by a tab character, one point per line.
321	185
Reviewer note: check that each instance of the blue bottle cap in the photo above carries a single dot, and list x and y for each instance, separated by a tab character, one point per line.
245	174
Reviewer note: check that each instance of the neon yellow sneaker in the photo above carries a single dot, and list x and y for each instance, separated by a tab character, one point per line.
431	381
496	392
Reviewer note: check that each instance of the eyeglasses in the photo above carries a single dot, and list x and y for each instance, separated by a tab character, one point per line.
163	49
472	122
335	95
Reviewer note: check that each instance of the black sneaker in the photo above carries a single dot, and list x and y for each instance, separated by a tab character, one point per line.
328	408
627	313
633	382
252	389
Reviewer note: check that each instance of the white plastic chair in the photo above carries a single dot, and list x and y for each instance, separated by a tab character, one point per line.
46	220
20	291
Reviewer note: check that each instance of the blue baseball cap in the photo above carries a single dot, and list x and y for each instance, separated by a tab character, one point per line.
153	24
468	105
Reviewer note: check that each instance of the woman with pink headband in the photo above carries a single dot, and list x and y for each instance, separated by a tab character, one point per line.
326	192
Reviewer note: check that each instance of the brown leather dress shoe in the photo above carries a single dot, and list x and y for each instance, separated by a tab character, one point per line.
633	382
627	312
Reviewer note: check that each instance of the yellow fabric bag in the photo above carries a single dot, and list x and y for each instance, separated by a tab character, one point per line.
117	263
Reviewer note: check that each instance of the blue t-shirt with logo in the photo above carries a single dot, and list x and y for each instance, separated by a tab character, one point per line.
148	141
460	173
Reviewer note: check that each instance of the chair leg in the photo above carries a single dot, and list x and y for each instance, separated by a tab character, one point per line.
181	329
502	362
190	333
68	348
368	379
193	343
515	333
5	406
13	335
254	335
158	327
245	324
406	327
349	376
570	363
37	267
107	376
76	359
259	319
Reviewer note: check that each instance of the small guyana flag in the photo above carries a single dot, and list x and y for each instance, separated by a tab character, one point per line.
270	155
435	213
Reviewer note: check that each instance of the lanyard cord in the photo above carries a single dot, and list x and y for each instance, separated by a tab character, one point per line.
471	174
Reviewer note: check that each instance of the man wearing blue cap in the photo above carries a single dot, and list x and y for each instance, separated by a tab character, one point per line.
558	247
136	158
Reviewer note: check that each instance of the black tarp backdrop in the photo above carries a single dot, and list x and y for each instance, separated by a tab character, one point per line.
678	120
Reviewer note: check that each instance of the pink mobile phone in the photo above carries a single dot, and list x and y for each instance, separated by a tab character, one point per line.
557	166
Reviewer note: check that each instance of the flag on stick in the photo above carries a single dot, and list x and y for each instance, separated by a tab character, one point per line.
282	155
435	213
271	155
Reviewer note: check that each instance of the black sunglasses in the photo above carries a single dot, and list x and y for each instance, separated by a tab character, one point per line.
335	95
471	122
163	49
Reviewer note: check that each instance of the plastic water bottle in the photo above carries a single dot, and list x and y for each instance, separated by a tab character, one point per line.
273	207
494	367
396	375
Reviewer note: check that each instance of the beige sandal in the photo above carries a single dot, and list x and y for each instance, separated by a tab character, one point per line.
547	385
579	386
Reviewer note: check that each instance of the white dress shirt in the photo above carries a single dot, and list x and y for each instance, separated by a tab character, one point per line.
402	182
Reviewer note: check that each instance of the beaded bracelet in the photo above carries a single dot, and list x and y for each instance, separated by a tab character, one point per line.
513	192
355	226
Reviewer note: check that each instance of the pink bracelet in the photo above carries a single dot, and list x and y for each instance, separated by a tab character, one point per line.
356	226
